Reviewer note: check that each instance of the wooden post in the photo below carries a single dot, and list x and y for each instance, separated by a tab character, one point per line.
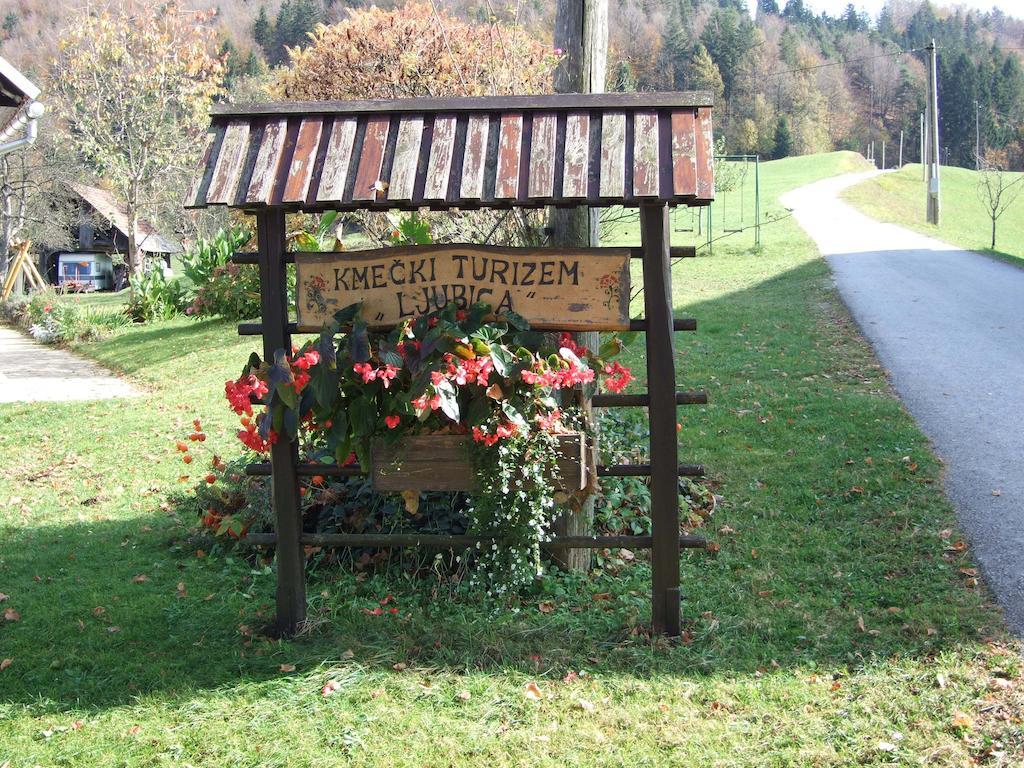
581	31
661	386
284	455
934	156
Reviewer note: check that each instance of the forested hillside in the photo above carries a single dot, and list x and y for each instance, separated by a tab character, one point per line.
787	82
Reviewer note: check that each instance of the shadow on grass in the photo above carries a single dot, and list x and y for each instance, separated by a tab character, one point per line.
163	343
827	561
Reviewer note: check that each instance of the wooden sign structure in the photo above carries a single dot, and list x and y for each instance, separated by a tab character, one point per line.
578	289
649	151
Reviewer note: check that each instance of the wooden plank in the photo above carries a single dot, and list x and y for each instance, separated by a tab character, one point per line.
300	171
510	149
474	158
661	383
195	197
230	160
407	156
645	154
565	101
705	156
337	161
264	172
684	165
371	158
613	155
577	153
284	455
439	167
557	288
448	541
442	463
542	156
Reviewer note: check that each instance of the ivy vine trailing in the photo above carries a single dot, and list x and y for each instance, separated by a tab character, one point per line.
456	371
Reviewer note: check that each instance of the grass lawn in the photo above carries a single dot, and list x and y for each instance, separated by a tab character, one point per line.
839	624
964	220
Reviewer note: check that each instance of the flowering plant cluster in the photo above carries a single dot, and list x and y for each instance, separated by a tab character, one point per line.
508	388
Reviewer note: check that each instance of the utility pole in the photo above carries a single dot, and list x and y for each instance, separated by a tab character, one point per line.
901	151
581	31
933	137
924	151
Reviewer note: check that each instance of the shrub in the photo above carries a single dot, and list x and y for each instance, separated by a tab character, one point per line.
154	297
53	319
220	287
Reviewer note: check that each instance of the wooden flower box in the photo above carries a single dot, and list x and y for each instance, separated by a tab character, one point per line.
442	463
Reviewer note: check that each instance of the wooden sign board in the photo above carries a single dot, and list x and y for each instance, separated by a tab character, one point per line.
577	289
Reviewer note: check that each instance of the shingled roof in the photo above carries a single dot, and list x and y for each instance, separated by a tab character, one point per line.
498	152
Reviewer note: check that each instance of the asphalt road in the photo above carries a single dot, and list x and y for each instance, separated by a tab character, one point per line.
948	325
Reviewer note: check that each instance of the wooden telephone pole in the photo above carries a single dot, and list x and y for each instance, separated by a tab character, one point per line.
932	129
581	32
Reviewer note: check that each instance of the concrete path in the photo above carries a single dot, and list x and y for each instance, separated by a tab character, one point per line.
30	371
948	325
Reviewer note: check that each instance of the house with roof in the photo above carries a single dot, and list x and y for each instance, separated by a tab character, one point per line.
102	234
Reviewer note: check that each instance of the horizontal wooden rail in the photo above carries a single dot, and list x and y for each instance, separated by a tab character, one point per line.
679	324
636	324
677	252
441	541
262	469
621	401
644	470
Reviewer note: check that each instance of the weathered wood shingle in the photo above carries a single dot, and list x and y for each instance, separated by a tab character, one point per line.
601	149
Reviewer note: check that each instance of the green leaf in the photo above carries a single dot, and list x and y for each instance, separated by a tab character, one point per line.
324	385
346	315
449	401
516	320
363	414
502	360
359	342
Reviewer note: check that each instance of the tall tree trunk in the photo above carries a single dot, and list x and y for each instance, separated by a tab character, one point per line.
993	233
581	31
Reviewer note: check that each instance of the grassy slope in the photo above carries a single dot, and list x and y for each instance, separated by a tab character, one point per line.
834	623
898	198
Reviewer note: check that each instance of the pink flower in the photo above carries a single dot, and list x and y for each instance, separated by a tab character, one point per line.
392	421
366	371
618	377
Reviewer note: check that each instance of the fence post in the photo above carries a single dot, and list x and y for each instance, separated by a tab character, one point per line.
661	386
284	454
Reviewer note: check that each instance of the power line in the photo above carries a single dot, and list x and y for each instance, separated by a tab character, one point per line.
842	62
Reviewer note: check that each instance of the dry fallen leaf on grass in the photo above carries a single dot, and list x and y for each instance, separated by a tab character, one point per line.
586	706
134	730
546	607
330	688
11	615
4	597
962	720
139	578
99	610
5	664
860	624
287	667
533	692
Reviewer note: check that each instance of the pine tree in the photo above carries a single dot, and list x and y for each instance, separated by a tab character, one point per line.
703	72
768	7
624	80
728	37
783	139
261	30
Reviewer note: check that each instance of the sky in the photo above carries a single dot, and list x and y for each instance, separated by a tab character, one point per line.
835	7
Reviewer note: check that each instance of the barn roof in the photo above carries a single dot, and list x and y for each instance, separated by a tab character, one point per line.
106	205
498	152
